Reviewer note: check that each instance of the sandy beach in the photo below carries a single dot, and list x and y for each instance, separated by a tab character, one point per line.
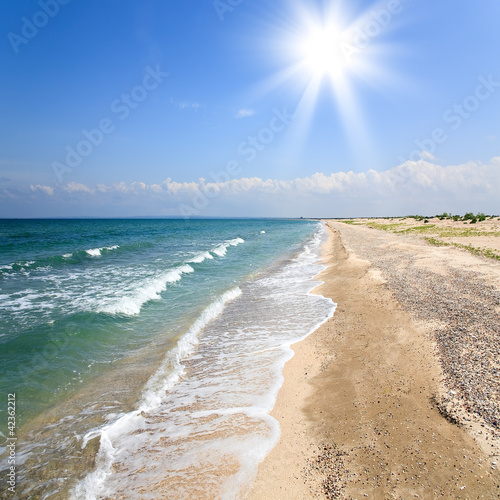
397	396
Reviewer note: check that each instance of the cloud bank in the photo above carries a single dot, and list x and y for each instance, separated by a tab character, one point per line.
413	187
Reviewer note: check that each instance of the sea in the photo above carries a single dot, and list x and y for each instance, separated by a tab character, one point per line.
141	358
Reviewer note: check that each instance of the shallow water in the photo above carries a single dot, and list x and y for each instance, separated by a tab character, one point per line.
178	344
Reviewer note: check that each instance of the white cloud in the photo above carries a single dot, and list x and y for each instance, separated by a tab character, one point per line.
245	113
45	189
408	188
427	155
409	176
73	187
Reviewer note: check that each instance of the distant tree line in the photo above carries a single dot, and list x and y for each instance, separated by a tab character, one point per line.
469	216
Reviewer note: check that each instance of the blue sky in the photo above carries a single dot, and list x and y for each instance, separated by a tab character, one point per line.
219	108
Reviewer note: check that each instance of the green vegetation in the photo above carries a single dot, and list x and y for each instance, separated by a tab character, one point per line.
444	215
473	250
385	227
419	229
442	232
418	217
436	242
437	235
469	216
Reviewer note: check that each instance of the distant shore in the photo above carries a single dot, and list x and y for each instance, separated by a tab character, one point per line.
398	394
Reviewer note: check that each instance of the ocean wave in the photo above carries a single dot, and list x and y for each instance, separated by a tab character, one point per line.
160	381
26	267
171	371
199	258
215	389
44	263
221	249
26	301
131	304
22	265
6	270
97	252
91	486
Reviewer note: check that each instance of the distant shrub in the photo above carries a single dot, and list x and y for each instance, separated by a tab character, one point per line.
444	215
439	243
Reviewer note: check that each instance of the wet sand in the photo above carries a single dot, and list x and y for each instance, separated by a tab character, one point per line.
397	396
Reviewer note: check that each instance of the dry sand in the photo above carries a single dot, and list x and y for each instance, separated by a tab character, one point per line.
481	236
397	395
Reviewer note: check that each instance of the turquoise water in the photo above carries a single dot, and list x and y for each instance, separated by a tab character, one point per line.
110	326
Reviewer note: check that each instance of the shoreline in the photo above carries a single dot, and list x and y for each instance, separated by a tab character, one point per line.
363	408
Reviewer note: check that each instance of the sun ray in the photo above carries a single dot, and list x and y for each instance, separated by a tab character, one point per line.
322	50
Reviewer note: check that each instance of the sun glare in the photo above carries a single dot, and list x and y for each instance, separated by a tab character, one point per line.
326	49
322	52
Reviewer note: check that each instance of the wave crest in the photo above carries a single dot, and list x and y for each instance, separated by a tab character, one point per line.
131	304
221	249
97	252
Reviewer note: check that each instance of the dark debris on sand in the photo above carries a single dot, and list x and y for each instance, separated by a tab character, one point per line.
467	312
329	468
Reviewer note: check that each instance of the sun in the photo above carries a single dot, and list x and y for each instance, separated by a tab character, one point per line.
321	52
329	58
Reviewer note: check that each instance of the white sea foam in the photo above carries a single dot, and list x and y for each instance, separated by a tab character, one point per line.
130	303
221	249
97	252
171	371
210	401
235	241
94	252
172	368
27	263
91	487
199	258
